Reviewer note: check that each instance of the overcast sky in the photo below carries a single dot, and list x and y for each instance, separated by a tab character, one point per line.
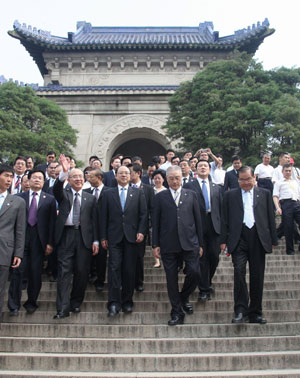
60	17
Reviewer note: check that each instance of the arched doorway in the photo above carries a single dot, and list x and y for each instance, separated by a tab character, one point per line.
145	148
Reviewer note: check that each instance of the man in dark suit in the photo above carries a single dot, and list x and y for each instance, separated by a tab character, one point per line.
12	229
110	176
177	234
147	178
51	156
231	177
123	224
135	179
210	201
51	176
185	169
249	232
76	237
99	261
39	241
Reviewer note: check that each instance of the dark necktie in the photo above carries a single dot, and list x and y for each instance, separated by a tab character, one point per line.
97	193
184	180
76	210
205	195
32	214
17	184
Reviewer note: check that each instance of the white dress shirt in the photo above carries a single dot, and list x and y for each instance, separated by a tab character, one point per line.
287	189
248	212
2	198
264	171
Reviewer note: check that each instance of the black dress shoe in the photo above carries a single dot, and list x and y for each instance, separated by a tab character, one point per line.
176	319
204	297
187	308
75	310
112	311
258	319
127	308
290	252
14	312
139	288
99	287
61	315
240	318
30	309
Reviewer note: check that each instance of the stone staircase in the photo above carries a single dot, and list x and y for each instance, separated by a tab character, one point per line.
142	345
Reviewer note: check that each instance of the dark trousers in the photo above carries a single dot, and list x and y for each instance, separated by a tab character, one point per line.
4	270
249	250
73	260
266	184
32	263
121	272
52	263
210	258
290	213
99	263
139	273
170	261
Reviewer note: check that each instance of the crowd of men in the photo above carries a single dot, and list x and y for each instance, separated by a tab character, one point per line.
189	209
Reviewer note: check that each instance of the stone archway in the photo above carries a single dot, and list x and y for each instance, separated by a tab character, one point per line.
128	128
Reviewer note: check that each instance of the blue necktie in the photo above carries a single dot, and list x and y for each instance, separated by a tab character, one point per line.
205	195
122	198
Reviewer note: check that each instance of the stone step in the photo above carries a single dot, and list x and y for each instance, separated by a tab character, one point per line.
148	331
191	362
272	373
160	345
162	286
164	306
92	295
202	317
287	270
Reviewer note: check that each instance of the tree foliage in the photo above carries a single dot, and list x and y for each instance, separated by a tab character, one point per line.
31	125
235	106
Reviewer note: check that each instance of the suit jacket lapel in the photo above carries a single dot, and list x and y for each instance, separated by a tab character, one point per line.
116	196
6	204
42	199
255	197
183	197
129	197
240	200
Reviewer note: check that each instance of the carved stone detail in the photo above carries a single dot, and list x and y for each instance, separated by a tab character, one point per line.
102	144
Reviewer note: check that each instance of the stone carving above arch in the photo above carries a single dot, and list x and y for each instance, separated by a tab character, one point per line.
103	144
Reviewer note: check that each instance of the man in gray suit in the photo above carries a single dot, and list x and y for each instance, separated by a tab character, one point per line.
12	229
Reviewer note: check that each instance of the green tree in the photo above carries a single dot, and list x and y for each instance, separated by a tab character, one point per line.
31	125
235	106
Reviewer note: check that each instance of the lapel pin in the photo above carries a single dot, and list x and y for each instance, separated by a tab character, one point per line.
44	196
130	195
180	202
8	204
84	198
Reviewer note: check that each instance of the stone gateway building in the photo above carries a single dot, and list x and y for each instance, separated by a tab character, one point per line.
115	82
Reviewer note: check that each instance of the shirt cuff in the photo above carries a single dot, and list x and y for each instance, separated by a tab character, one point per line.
63	176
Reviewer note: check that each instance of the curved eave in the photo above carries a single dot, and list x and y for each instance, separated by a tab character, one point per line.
37	47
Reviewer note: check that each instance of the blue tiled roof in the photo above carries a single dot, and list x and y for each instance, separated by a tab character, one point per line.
88	37
86	34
